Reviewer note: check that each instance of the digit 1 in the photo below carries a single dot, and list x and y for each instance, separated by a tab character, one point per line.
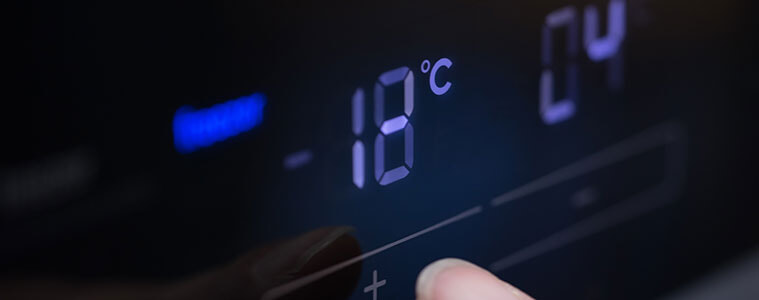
357	114
607	47
554	112
393	125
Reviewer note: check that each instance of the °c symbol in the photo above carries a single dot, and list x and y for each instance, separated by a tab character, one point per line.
443	62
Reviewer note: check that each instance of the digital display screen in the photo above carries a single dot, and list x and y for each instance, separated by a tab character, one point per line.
576	149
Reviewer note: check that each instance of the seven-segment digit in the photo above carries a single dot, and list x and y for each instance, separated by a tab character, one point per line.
551	111
358	147
393	125
601	48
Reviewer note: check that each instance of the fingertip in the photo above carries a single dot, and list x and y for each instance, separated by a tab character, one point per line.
452	278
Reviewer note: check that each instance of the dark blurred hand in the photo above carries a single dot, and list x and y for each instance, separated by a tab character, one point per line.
247	278
267	267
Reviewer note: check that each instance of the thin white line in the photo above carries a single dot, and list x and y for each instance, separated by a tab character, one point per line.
298	283
628	209
637	144
632	207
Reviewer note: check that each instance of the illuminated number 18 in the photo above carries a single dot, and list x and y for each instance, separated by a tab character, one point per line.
386	127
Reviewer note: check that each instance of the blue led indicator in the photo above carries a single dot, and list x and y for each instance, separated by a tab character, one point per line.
194	129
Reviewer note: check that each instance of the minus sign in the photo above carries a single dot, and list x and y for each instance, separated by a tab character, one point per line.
297	159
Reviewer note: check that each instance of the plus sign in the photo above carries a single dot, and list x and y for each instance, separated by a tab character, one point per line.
375	285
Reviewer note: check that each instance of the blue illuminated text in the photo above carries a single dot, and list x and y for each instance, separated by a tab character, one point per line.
194	129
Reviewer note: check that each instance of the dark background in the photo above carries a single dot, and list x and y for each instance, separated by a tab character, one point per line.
92	88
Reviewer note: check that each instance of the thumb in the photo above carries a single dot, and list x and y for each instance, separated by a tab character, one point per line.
455	279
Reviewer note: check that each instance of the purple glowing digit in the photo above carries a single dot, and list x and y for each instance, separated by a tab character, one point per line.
382	176
408	94
393	125
358	164
358	112
601	48
379	157
394	175
551	111
357	118
409	149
